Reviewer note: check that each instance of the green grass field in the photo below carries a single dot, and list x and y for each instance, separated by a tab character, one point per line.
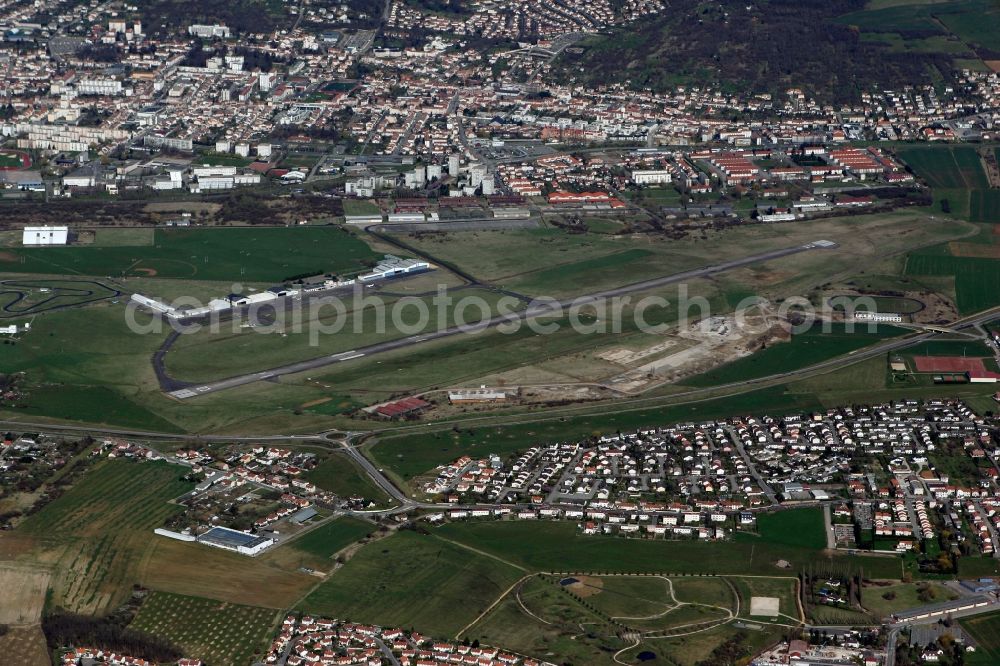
360	207
882	601
802	528
213	354
413	580
973	348
969	21
253	254
558	546
804	349
327	539
551	262
340	475
101	530
554	633
216	632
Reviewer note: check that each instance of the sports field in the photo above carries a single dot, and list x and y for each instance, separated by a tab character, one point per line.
99	532
240	253
13	160
213	631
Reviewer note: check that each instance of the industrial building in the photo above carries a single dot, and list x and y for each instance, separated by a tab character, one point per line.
45	236
238	542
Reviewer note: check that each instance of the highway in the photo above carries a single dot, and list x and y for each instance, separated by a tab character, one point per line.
545	309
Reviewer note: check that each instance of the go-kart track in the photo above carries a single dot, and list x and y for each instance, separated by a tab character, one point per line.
19	298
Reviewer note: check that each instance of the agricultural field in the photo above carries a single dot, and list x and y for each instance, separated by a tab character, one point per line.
265	254
984	206
24	646
947	167
24	594
986	630
197	570
977	280
413	580
804	349
339	474
97	536
218	633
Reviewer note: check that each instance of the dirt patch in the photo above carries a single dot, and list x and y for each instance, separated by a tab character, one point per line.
24	646
182	207
977	250
6	255
586	586
993	64
314	403
148	272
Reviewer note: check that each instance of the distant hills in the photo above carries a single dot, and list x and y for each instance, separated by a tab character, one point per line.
832	49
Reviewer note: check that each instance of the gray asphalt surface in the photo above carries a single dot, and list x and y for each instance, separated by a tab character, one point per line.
532	312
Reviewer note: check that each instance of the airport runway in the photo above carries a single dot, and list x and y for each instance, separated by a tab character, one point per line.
174	388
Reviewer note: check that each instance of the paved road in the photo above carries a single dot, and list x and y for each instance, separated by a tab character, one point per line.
533	312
